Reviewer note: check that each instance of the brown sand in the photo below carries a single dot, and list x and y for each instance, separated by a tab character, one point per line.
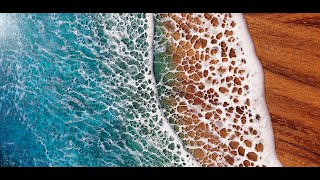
289	47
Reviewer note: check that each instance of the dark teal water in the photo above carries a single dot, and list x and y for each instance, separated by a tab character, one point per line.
75	90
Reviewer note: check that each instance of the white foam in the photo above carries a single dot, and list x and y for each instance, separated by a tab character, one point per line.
250	90
257	93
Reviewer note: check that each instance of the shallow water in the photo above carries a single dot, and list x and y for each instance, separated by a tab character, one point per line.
77	90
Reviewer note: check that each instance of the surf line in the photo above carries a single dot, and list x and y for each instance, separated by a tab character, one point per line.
257	93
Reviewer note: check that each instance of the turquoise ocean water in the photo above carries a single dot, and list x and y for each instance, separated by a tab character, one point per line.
76	90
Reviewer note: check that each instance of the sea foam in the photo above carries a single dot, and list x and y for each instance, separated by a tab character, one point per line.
210	85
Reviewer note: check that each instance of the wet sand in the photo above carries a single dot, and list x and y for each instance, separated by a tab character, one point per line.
288	46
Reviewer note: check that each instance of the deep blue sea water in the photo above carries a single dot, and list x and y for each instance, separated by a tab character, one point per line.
75	90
